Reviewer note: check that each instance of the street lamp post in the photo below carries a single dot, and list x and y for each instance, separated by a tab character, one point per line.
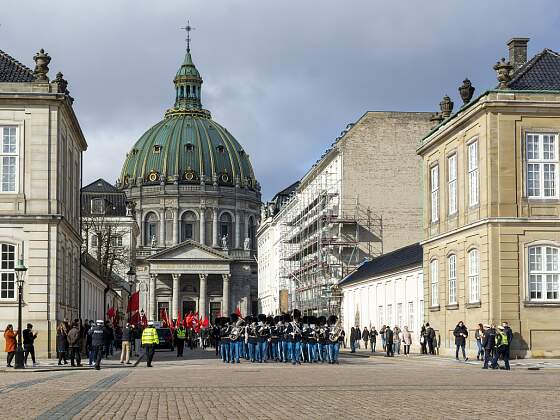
20	270
131	275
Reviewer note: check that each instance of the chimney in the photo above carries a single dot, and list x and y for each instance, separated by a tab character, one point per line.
517	52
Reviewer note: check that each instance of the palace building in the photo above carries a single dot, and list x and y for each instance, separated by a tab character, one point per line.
197	204
492	206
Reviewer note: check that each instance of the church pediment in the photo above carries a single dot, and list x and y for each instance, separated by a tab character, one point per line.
188	251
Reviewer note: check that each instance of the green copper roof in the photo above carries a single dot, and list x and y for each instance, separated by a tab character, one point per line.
187	146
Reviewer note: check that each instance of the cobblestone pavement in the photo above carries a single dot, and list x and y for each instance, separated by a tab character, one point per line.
200	387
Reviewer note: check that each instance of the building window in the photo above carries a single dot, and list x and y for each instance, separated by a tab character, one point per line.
452	264
116	241
473	172
421	311
399	315
7	273
380	316
8	168
434	186
452	183
150	229
411	316
434	282
474	276
188	220
543	273
94	241
97	206
389	314
542	165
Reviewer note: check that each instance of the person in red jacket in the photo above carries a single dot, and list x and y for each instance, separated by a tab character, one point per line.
10	346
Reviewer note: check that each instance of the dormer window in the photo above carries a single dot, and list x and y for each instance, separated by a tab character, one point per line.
220	148
157	148
189	147
97	206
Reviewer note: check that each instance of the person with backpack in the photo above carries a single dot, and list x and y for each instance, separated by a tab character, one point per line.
431	339
460	333
502	348
74	338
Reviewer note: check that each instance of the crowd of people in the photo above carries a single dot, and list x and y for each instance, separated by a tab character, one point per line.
286	338
492	342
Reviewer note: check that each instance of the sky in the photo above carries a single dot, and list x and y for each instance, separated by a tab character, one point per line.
284	77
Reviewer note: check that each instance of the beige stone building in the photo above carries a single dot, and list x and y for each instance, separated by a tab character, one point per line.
491	221
40	177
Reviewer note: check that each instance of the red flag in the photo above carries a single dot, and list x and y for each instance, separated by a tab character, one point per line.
237	310
144	320
205	323
179	320
133	302
110	312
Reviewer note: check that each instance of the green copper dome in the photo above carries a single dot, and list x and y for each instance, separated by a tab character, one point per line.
187	146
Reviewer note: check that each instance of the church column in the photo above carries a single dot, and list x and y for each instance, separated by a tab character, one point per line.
152	291
202	225
237	229
225	298
175	297
161	239
202	297
176	238
215	238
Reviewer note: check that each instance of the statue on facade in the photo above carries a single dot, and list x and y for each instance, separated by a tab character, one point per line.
247	244
271	209
225	242
263	212
154	241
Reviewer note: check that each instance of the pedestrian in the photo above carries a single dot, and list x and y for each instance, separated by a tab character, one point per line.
180	336
431	339
98	333
383	339
62	343
125	344
389	342
10	345
137	339
89	347
149	340
74	338
352	340
365	337
423	342
373	338
508	331
460	333
406	340
488	342
109	337
502	348
479	335
29	337
397	338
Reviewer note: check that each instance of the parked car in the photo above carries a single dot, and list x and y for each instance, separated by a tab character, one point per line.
165	339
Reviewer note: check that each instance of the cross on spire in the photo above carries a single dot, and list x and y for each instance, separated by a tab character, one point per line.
188	29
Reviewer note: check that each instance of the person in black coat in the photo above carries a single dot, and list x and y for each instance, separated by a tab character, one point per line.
461	333
389	341
98	335
488	342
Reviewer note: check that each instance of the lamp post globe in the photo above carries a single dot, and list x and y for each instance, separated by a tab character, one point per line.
20	270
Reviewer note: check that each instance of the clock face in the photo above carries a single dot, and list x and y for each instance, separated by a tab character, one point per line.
225	178
153	176
189	176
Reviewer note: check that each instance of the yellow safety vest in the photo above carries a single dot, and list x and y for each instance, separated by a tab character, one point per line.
504	340
150	336
181	333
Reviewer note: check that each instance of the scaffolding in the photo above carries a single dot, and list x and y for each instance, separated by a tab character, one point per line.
323	238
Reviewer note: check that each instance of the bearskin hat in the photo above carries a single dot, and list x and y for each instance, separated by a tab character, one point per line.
287	317
262	317
305	319
312	319
332	319
234	317
270	320
296	314
249	319
277	319
322	320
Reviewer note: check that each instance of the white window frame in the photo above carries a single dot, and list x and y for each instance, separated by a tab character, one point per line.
380	317
452	278
474	275
399	321
411	316
94	240
8	154
452	183
434	283
543	268
434	192
389	314
538	159
116	241
472	167
7	271
97	202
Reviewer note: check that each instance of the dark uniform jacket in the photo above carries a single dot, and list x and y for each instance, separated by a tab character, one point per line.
98	334
460	339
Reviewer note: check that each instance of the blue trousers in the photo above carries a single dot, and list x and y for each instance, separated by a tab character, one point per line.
253	350
294	349
263	350
234	351
274	349
224	349
312	352
286	351
323	352
333	352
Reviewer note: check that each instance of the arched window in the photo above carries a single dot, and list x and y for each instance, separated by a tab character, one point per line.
7	273
94	241
188	226
452	278
150	228
544	273
434	282
474	276
226	228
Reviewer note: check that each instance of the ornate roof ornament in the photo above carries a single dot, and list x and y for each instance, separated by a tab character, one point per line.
446	106
503	72
61	83
42	61
466	90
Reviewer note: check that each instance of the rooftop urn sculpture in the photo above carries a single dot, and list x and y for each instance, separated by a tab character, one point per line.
42	61
446	106
503	73
466	90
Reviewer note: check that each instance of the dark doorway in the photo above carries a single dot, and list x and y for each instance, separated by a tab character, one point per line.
215	310
189	306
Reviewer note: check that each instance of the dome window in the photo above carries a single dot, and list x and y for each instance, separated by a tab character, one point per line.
157	148
224	177
220	149
189	147
153	176
190	175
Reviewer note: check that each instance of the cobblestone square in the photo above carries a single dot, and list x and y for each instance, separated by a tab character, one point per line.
201	387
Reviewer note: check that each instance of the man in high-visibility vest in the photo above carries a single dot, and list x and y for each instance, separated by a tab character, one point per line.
502	348
180	337
149	340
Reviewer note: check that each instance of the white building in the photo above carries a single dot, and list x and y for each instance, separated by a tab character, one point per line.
386	291
41	158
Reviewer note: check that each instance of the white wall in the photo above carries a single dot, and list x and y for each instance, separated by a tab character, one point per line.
376	301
